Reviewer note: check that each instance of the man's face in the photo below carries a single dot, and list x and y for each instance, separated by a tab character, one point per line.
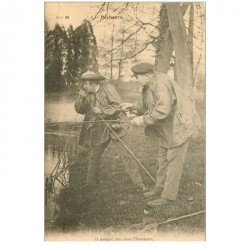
89	86
143	80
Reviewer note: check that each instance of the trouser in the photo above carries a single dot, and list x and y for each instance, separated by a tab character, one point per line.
129	164
170	163
93	171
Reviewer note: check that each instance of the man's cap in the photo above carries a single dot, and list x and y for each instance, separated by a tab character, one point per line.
91	75
142	68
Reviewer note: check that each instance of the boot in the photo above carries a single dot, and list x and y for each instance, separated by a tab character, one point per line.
151	193
159	202
141	187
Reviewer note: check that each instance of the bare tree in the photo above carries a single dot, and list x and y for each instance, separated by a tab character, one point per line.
127	43
164	49
167	32
111	54
121	56
181	44
190	34
165	42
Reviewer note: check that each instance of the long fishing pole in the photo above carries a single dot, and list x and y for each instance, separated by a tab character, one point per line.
154	225
107	121
96	121
181	217
116	135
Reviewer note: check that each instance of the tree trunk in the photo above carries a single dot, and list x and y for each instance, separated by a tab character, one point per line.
111	55
181	45
120	62
136	9
191	34
165	42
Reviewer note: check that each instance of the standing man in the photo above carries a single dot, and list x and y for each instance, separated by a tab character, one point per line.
94	100
165	116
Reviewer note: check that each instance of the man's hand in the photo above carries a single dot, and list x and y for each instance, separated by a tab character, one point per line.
126	105
82	93
138	121
97	111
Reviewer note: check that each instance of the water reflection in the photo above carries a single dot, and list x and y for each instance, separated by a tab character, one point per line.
60	162
53	151
60	109
51	159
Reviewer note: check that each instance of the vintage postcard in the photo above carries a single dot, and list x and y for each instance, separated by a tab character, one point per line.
125	121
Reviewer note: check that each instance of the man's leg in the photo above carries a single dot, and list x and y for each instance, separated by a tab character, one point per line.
161	173
175	161
129	163
171	163
94	164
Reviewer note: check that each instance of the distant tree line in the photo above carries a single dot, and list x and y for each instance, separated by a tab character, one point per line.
68	52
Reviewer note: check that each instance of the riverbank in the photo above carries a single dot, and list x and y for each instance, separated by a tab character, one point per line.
117	205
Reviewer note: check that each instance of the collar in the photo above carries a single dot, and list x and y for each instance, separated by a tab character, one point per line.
150	83
145	87
97	89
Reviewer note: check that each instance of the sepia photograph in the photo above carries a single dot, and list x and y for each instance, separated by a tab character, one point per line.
125	121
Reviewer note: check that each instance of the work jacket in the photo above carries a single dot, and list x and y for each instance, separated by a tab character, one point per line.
108	99
168	111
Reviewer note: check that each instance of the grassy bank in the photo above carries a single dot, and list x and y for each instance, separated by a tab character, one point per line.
117	205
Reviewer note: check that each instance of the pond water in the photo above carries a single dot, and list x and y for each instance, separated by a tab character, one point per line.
53	152
60	109
50	160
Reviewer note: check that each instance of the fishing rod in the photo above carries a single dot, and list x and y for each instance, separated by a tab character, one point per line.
126	147
152	225
96	121
116	135
181	217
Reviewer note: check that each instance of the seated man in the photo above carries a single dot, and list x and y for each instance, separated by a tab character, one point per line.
170	116
95	100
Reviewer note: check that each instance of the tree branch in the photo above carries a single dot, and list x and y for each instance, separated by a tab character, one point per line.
129	57
142	24
123	41
100	9
126	6
184	7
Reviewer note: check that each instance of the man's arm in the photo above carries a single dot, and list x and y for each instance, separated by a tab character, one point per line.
81	104
114	101
163	105
138	107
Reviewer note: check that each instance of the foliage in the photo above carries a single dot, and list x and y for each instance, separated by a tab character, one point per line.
68	53
54	51
85	48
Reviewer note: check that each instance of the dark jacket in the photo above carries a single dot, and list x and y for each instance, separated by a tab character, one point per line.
108	99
